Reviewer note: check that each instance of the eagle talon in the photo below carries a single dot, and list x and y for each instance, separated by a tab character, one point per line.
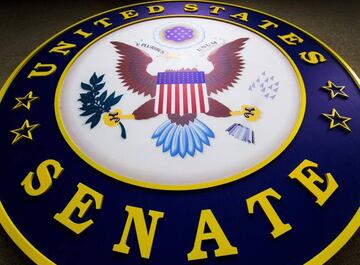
113	118
251	113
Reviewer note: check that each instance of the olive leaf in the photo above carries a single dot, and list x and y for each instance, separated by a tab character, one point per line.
95	104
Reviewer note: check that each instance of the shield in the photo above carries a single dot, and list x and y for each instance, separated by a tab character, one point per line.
181	93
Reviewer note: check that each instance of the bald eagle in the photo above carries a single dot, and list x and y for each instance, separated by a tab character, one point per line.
181	94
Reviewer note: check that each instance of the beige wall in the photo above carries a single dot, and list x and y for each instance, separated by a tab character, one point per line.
26	24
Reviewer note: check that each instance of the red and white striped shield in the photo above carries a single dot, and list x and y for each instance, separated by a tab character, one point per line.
181	93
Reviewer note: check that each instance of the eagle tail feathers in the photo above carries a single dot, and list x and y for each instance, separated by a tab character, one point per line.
184	139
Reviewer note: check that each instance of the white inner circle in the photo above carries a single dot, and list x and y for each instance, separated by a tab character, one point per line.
137	157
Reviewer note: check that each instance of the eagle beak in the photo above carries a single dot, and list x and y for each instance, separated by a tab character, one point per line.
172	56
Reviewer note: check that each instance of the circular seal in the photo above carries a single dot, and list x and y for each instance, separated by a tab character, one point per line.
179	132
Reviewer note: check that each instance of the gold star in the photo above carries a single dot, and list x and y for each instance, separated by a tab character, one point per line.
24	131
25	101
335	90
337	120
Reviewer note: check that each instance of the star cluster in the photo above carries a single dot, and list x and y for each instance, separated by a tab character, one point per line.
179	34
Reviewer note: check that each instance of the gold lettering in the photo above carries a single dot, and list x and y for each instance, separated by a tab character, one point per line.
262	198
215	9
128	14
44	177
77	203
267	24
242	16
291	39
83	33
156	9
63	48
103	22
191	8
47	69
312	57
305	168
145	238
216	233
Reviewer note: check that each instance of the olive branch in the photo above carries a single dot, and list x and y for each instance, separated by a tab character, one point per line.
95	104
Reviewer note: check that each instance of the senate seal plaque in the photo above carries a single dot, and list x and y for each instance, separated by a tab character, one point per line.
180	133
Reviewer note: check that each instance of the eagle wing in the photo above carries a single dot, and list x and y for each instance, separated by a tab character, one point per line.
228	65
131	67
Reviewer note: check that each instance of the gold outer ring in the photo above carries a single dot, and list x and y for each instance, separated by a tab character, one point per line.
37	257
